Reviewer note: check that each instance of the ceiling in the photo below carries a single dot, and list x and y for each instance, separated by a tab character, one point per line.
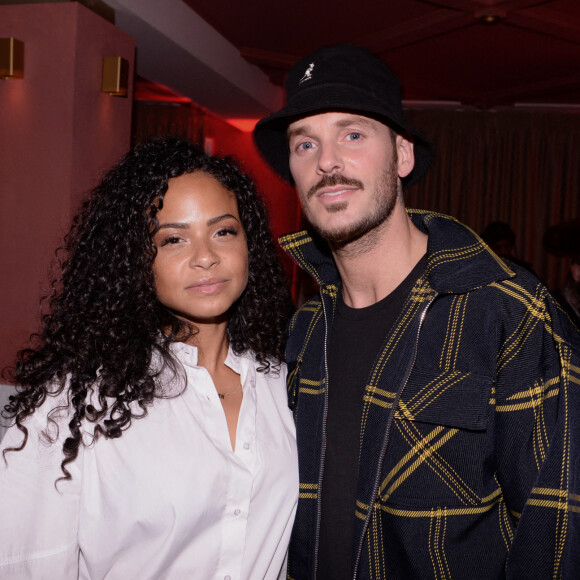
231	56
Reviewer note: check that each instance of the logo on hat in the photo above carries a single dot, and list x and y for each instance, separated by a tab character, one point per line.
307	73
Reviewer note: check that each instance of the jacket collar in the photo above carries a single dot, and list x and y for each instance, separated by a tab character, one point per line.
458	260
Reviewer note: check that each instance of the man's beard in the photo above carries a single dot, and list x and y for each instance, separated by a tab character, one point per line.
384	202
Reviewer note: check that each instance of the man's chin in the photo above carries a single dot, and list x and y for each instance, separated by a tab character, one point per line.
340	237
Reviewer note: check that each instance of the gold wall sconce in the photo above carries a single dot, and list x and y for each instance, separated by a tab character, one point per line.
11	58
115	79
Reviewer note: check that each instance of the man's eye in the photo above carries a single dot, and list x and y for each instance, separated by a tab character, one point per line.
305	146
354	136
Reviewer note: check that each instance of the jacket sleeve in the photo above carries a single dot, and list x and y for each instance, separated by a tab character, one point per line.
38	529
538	438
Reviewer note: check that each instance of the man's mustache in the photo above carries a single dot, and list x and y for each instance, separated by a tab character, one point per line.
332	180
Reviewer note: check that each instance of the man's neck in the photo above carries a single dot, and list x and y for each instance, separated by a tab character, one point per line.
373	266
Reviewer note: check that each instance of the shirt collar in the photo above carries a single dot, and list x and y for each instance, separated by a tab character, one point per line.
188	355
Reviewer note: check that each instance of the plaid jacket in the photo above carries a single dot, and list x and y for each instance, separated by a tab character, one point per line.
470	431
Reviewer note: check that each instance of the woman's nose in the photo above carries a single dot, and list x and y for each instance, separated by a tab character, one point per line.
203	255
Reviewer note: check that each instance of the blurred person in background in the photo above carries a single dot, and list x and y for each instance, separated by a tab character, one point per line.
563	240
500	237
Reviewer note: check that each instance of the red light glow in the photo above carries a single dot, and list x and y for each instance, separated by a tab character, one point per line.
245	125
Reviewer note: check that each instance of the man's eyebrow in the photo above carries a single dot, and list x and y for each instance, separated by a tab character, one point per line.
350	120
354	120
295	132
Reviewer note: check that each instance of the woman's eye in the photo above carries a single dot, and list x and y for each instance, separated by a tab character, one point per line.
169	240
231	231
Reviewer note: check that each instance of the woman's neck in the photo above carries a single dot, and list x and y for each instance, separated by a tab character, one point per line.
212	345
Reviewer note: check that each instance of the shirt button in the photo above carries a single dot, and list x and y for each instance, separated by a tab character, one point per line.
228	577
236	512
246	445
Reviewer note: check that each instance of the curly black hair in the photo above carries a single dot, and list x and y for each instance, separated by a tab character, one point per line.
104	324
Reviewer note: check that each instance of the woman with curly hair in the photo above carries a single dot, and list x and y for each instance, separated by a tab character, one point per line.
150	432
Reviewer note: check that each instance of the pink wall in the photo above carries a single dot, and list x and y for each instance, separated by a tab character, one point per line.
58	133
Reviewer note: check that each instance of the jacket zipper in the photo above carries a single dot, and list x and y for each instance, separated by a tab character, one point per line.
323	447
386	440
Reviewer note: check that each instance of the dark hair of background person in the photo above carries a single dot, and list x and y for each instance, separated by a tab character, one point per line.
103	328
500	237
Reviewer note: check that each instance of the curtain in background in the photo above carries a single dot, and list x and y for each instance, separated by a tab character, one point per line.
159	118
519	167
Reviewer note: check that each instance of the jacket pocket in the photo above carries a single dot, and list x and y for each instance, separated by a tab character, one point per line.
440	450
449	398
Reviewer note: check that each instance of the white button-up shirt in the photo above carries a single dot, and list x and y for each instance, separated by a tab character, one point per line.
168	499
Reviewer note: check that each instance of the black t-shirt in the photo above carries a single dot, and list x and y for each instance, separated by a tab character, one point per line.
356	338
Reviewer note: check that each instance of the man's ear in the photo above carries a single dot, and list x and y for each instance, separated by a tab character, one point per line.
405	156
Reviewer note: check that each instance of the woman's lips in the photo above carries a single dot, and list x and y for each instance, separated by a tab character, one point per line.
207	286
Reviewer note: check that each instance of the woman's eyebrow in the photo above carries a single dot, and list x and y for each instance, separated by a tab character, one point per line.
220	218
175	225
210	222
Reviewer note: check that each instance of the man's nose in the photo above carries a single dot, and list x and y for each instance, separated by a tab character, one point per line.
329	159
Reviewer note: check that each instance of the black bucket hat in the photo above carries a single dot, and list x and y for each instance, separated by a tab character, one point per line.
339	78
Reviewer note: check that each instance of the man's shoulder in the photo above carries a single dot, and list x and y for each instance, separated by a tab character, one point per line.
523	297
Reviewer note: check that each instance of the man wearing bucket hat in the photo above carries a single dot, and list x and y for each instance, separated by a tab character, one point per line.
435	389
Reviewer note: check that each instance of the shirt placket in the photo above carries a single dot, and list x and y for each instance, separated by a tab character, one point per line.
242	472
